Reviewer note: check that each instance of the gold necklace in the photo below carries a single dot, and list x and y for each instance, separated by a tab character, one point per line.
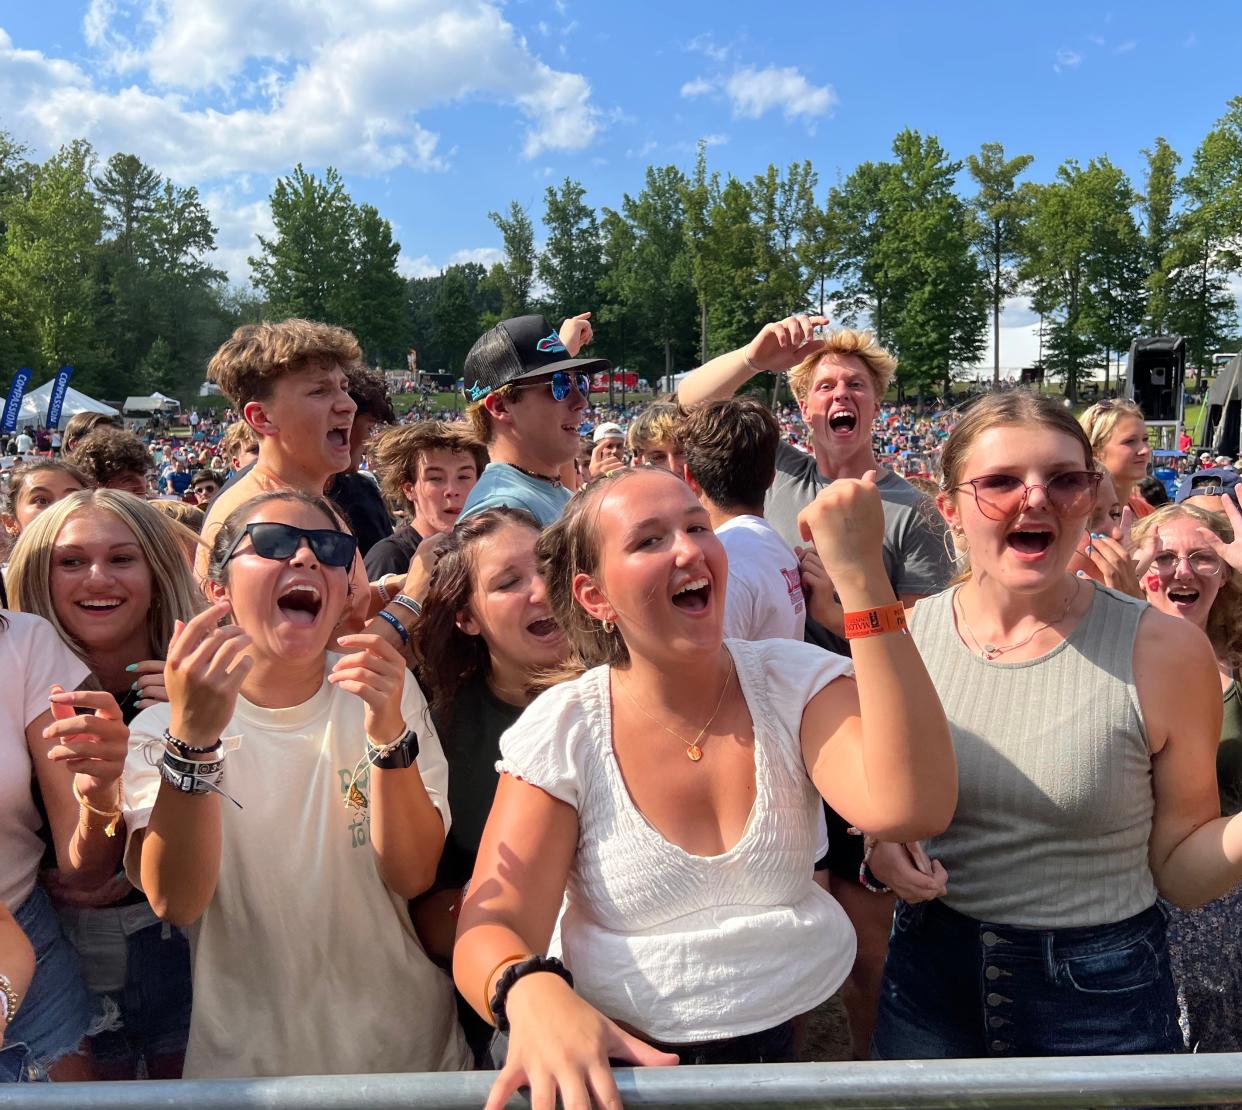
991	651
693	750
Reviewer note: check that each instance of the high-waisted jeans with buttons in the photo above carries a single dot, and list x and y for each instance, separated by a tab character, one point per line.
958	987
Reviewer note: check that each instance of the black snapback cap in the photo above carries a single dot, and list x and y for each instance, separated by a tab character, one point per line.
523	347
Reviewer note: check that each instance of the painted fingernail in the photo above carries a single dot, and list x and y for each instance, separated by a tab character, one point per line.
134	686
1081	573
132	667
1088	550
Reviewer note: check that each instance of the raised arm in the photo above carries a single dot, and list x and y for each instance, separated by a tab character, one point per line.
78	750
779	346
878	747
179	851
407	831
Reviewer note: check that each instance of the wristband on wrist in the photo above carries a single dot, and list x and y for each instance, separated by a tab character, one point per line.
407	602
400	628
512	974
875	622
381	588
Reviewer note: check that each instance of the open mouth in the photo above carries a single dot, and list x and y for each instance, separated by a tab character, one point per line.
101	604
1029	542
694	596
544	629
1182	597
339	438
842	421
300	605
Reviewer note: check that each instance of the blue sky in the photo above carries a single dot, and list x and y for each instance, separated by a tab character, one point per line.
438	110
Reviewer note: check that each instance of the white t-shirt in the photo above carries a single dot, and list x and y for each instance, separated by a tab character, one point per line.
24	444
304	962
764	599
689	948
32	659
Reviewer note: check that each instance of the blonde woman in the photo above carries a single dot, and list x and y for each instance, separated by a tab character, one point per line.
1196	576
1118	435
108	572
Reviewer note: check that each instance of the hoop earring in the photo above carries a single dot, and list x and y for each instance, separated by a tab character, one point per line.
608	627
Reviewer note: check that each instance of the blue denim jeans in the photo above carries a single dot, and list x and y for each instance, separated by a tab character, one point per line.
57	1011
957	987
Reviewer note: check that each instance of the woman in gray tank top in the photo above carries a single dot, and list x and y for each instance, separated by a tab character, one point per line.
1085	725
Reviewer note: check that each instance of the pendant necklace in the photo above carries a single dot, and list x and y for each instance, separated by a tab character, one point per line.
694	750
992	651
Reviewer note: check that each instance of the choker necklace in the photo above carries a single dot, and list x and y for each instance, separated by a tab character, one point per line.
555	483
992	651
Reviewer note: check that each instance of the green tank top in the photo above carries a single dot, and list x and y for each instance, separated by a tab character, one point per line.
1229	754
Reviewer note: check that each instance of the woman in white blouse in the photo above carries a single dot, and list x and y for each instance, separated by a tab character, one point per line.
668	794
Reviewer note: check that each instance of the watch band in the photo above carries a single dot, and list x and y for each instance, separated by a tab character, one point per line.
398	755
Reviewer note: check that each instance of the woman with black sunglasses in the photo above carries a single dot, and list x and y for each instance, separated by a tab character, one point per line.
283	806
1085	725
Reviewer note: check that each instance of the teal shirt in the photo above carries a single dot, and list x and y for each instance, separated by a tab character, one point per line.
502	484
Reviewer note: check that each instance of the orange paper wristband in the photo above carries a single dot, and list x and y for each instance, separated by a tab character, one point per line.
875	622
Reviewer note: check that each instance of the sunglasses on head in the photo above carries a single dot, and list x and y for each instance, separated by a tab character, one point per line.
561	381
281	541
1000	496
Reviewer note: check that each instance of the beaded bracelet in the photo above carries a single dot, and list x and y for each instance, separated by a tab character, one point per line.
512	974
182	746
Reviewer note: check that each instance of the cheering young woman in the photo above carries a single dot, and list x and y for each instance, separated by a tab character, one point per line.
1085	724
668	795
295	895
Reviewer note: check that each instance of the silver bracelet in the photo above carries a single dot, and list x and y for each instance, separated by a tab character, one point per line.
8	1001
382	587
407	602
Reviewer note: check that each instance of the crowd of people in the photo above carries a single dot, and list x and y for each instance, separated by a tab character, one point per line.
339	744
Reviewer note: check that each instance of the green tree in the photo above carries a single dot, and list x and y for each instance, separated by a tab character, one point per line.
939	324
48	269
1159	198
782	204
128	188
571	264
377	291
456	324
1205	243
659	287
1001	205
305	268
856	209
517	272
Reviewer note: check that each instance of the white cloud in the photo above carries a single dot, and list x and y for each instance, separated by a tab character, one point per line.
706	45
1125	47
238	219
420	267
755	92
646	150
1066	59
484	256
717	139
698	87
218	87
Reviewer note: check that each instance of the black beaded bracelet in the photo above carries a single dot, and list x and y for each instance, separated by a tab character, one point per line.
513	973
182	746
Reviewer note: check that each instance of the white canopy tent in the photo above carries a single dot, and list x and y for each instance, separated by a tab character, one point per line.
34	406
157	402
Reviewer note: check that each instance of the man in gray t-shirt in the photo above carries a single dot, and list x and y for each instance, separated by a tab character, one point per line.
916	554
838	379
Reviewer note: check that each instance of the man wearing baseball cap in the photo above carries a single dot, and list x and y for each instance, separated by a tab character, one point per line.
526	393
608	452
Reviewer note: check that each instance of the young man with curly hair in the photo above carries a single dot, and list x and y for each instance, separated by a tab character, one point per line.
113	459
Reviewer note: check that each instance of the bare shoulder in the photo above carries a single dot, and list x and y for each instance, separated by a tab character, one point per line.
1174	673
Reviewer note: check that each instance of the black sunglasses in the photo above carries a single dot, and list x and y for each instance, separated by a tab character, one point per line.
281	541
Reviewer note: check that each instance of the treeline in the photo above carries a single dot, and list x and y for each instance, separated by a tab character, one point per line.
106	267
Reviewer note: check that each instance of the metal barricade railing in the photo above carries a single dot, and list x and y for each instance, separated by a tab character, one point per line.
1080	1081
